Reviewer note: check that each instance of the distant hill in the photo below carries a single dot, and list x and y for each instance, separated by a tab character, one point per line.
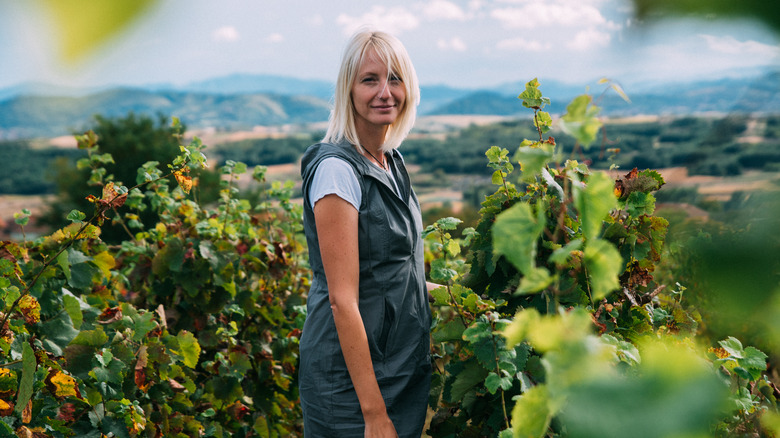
242	101
759	94
261	84
37	116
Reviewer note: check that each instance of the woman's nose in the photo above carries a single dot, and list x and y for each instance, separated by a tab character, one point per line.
384	92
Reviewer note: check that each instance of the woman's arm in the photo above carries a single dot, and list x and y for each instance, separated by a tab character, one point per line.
337	231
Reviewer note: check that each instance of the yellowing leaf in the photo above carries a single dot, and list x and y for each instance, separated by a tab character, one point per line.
189	348
8	383
105	262
6	408
62	385
30	309
82	25
184	181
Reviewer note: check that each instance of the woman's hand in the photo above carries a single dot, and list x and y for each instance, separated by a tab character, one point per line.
379	426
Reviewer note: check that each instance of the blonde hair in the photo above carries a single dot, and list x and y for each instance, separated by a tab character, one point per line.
390	51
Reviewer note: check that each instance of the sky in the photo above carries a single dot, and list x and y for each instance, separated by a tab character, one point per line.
460	43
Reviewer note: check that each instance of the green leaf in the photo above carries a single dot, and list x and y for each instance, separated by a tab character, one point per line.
29	365
498	177
441	296
493	382
169	258
561	255
517	331
532	159
73	308
543	121
531	415
76	216
91	338
57	332
81	275
449	331
595	202
532	97
189	348
22	218
639	203
449	223
477	331
515	233
496	154
535	281
733	347
604	264
440	272
754	359
472	375
261	427
143	324
580	120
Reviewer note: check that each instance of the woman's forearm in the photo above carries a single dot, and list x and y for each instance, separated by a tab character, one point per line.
354	345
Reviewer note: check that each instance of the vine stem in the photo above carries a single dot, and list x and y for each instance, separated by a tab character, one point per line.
498	373
536	123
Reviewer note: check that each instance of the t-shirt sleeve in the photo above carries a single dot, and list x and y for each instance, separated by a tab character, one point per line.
335	176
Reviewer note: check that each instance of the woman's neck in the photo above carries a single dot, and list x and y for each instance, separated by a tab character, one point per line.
372	139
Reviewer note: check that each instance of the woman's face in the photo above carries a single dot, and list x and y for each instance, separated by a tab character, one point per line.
378	98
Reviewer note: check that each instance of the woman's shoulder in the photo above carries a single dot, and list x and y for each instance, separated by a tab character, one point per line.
318	152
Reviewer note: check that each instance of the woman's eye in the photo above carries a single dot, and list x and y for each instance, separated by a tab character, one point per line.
395	78
368	79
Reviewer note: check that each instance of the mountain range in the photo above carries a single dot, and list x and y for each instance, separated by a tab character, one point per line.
242	101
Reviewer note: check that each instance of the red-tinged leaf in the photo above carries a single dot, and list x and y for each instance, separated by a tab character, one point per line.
237	410
66	412
140	369
176	386
110	315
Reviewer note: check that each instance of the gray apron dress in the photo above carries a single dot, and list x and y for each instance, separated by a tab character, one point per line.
393	305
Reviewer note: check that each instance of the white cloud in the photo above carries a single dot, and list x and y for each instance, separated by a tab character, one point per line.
522	44
443	10
274	38
532	14
392	20
453	43
589	39
731	46
225	34
316	20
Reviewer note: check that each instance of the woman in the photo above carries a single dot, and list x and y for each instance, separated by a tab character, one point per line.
365	357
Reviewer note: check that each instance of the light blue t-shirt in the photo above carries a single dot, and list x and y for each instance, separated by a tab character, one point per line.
335	176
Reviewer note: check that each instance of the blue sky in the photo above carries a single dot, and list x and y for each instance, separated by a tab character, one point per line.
462	43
